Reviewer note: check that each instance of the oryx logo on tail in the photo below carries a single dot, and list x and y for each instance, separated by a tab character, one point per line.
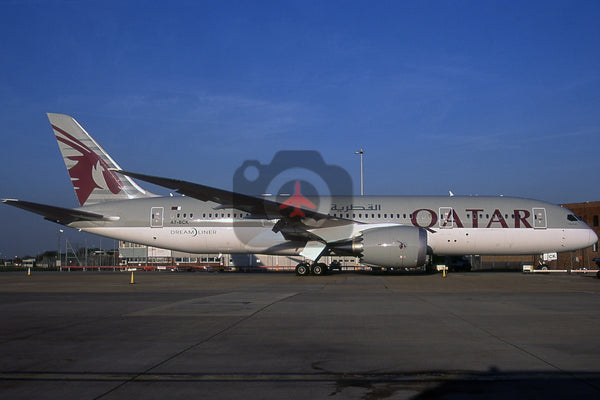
89	166
89	171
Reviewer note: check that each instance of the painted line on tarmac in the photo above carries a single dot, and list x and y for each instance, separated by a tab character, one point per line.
434	376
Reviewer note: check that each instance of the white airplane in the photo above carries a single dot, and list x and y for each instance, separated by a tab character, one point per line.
390	231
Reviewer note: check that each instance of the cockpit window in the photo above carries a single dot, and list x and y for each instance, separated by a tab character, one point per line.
571	217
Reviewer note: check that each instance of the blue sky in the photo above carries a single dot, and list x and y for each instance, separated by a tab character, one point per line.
480	97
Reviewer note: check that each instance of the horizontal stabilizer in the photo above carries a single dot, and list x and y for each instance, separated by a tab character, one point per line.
59	215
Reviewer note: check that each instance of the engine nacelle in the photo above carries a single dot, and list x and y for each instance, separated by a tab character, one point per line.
394	246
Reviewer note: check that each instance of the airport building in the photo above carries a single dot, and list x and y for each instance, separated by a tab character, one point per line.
135	255
141	256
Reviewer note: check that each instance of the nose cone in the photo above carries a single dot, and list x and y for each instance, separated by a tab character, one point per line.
578	239
593	238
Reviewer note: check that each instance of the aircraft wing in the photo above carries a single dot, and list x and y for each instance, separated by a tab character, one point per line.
307	226
59	215
258	207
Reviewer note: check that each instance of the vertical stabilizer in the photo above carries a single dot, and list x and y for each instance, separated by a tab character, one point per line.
89	166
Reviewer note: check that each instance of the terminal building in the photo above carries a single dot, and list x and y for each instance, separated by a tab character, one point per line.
141	256
135	255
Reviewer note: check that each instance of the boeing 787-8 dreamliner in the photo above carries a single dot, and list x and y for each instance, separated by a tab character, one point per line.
384	231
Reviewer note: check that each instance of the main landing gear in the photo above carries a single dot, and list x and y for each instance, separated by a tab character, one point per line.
305	268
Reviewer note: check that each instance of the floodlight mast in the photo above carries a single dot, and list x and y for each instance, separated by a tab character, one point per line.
362	187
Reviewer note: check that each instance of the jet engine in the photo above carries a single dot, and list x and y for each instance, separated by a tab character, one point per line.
391	246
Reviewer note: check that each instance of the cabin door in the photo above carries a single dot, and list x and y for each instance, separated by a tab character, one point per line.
156	217
539	218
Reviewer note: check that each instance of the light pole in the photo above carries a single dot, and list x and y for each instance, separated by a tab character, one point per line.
58	256
362	187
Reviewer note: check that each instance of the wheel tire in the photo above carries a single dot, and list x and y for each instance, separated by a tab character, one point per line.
302	269
319	269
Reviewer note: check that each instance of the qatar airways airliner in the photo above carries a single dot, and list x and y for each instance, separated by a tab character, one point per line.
384	231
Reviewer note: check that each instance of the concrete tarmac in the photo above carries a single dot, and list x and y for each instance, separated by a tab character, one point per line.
93	335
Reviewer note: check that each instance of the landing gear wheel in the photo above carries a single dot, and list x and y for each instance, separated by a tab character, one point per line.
302	269
319	269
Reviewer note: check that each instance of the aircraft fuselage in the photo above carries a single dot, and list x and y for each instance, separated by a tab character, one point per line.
455	225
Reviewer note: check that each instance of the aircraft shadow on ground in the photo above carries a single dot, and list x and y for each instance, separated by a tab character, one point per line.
490	385
421	385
